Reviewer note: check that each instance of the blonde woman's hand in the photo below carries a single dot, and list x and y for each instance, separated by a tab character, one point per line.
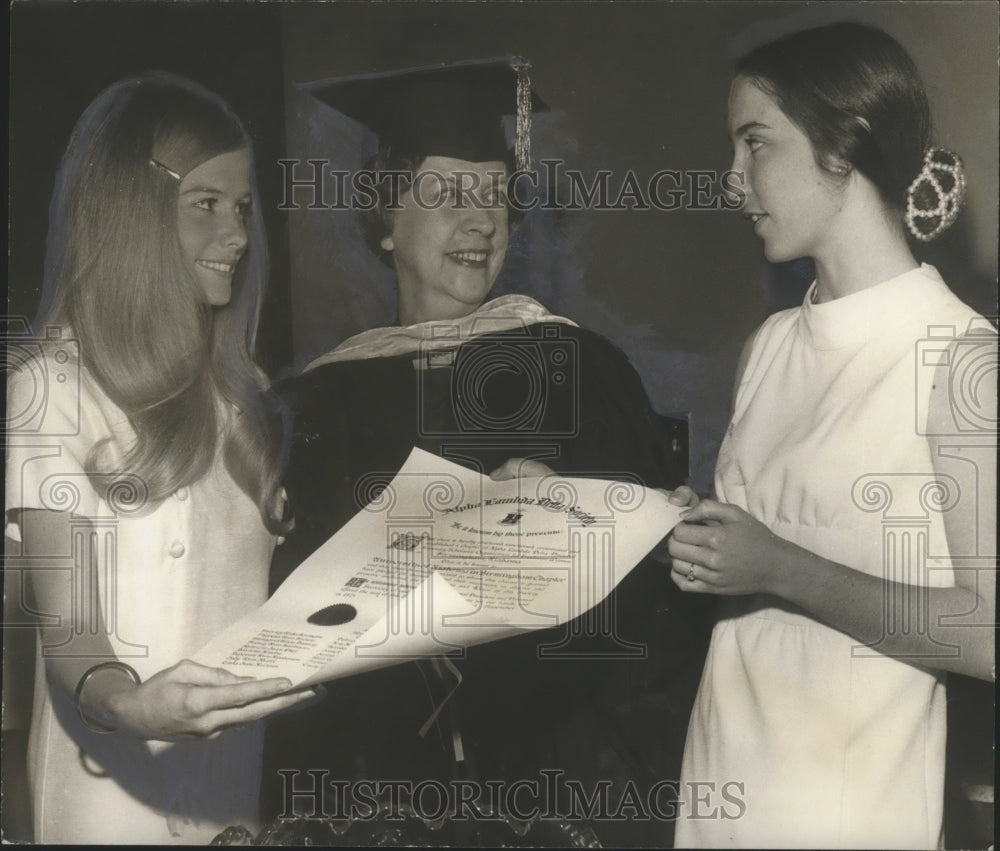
190	700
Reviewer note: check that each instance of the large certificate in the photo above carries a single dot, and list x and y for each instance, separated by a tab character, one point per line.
443	558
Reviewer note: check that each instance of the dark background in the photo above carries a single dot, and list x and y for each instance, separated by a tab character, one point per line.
639	86
63	56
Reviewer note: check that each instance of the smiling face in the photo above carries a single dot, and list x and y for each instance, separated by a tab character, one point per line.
794	205
449	239
212	212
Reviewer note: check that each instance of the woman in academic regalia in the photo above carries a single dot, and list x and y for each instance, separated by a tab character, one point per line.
479	382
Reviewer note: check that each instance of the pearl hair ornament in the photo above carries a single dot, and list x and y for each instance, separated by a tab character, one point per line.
935	196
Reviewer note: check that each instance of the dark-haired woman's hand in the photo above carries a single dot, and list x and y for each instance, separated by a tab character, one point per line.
720	549
683	497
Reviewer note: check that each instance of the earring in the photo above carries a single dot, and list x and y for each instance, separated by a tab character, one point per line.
839	168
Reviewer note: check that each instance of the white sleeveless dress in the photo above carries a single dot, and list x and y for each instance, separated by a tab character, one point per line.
799	737
176	574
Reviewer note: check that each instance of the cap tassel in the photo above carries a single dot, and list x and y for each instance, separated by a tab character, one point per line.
522	143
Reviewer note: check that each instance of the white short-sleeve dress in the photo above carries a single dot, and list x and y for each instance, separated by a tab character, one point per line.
799	737
173	574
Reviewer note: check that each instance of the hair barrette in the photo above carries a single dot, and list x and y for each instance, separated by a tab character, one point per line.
168	170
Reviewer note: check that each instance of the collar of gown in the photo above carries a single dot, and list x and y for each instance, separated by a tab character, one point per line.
853	320
500	314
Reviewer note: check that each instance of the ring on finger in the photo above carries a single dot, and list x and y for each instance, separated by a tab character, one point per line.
691	574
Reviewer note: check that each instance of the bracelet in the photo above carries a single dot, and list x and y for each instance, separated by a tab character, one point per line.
89	723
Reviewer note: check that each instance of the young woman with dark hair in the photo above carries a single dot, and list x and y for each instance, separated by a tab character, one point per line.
848	535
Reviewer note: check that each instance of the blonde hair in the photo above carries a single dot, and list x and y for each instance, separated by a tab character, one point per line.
114	274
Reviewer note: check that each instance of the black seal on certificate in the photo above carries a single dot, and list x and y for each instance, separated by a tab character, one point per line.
333	615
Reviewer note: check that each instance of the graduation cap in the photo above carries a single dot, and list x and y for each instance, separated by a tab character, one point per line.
446	110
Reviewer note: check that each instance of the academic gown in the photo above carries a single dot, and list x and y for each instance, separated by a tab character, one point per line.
571	399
